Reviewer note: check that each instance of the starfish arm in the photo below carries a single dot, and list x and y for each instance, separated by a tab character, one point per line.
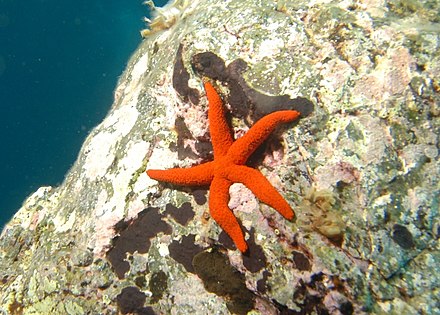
218	206
242	148
218	127
198	175
262	188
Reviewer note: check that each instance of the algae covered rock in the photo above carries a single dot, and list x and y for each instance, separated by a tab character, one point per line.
360	169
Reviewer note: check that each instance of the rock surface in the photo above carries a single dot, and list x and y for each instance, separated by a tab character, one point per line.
361	171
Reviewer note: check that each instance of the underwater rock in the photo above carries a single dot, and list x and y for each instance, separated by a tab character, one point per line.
360	171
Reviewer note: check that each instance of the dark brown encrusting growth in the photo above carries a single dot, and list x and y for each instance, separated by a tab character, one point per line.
184	251
183	134
301	261
135	236
221	278
131	301
203	147
181	78
244	100
200	196
254	260
403	237
182	214
262	283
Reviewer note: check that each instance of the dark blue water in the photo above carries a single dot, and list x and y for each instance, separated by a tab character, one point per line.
59	64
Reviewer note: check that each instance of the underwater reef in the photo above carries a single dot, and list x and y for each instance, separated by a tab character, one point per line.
360	169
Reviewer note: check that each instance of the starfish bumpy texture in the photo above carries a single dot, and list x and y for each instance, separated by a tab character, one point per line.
229	167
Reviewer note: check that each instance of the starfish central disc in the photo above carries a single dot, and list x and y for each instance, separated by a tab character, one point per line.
229	167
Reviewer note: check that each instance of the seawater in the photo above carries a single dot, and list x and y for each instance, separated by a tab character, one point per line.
59	64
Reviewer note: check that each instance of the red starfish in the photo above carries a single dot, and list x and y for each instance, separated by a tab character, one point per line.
229	167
